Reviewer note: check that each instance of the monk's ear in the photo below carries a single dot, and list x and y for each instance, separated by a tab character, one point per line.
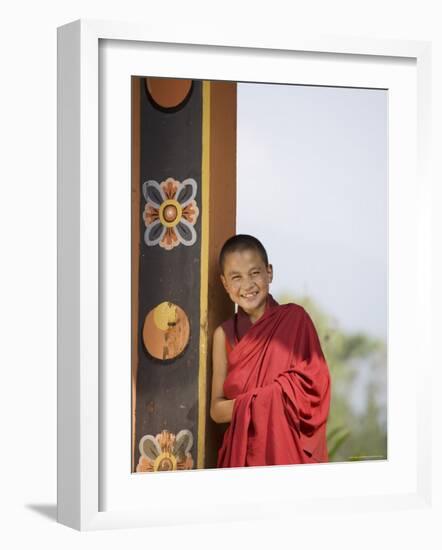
270	272
224	282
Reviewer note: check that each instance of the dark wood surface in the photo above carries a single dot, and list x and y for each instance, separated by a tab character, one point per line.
167	391
165	394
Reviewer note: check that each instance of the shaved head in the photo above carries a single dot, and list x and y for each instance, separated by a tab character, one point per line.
239	243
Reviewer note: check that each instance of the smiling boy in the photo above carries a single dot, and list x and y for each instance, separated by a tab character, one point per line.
270	377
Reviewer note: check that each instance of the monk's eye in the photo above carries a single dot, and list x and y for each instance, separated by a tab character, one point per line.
236	278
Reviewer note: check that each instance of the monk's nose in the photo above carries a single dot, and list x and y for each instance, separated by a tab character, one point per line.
249	286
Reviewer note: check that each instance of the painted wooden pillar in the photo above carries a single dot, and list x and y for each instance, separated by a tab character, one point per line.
183	208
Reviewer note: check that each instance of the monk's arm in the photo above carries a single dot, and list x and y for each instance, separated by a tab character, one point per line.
220	408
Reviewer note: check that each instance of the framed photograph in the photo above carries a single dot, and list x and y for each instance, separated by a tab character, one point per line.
319	148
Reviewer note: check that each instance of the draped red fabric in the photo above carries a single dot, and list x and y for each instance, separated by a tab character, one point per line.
279	377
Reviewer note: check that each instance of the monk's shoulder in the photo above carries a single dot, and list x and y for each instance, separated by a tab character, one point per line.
294	310
227	323
219	333
228	328
296	315
219	343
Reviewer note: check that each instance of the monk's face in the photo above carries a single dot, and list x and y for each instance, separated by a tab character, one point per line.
246	279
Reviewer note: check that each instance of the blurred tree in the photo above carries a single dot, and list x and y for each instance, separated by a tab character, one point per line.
357	425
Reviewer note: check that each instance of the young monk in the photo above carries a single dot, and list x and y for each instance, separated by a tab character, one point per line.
270	379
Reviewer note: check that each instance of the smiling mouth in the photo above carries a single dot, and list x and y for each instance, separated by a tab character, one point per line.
250	294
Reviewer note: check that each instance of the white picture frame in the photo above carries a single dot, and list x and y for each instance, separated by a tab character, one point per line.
80	389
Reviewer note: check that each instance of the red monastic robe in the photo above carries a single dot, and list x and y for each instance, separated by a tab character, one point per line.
279	377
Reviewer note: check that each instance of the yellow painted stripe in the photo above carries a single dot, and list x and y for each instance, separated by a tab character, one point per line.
204	279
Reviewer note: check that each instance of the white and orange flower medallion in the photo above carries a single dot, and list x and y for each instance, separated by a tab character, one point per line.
170	212
166	451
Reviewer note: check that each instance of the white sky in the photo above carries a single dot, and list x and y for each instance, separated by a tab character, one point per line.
313	187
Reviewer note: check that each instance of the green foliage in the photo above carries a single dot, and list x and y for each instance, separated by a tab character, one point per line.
356	429
335	438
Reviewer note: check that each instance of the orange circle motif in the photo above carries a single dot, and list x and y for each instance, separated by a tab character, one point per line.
166	331
168	92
